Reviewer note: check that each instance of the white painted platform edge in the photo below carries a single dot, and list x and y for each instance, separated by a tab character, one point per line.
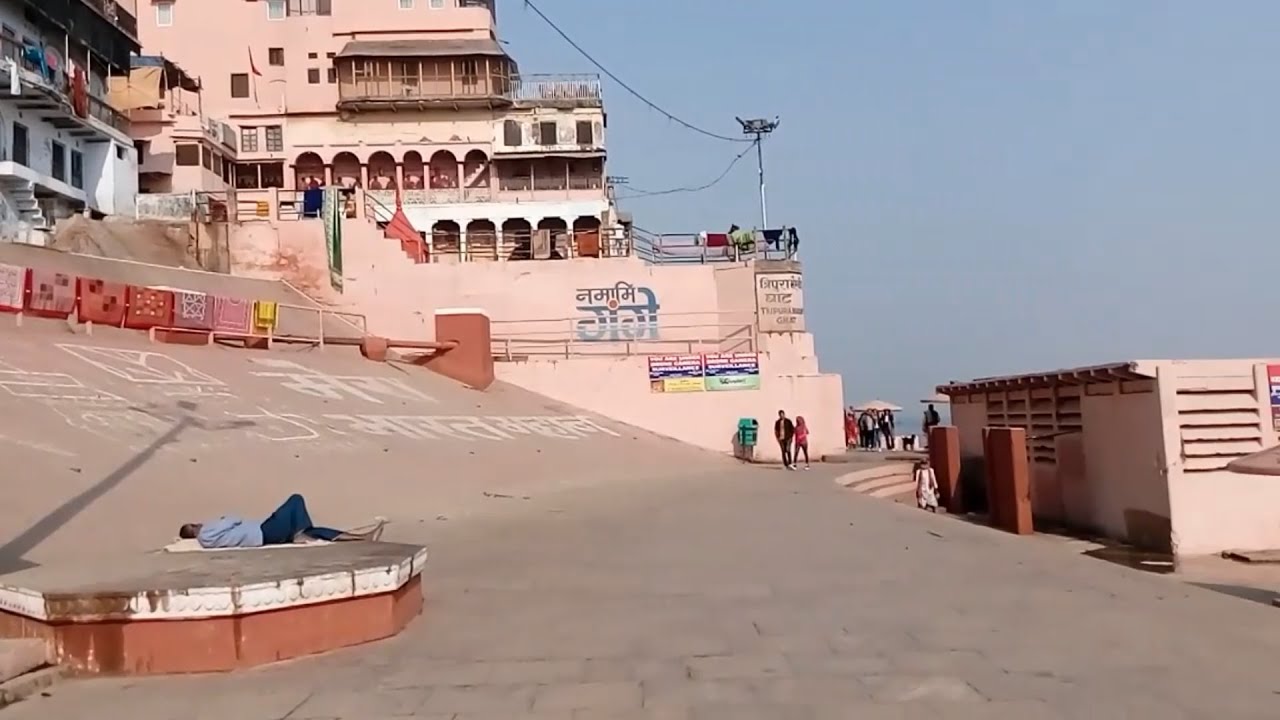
213	602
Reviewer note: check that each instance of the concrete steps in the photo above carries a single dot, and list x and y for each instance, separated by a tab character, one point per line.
891	480
24	669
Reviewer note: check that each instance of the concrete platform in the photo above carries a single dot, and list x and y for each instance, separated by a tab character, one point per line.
204	612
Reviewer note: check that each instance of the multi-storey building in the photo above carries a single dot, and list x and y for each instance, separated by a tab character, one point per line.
63	148
412	100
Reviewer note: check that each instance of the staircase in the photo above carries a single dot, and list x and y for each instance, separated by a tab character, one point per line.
20	196
24	669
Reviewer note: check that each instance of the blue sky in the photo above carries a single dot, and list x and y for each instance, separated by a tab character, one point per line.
982	186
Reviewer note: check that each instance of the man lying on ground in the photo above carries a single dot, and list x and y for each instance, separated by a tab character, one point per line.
290	523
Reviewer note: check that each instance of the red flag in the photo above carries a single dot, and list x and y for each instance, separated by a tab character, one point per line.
252	67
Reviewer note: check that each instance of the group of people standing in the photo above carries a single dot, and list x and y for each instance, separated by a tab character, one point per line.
870	430
793	438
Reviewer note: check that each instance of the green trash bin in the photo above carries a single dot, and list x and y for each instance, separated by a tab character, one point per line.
748	432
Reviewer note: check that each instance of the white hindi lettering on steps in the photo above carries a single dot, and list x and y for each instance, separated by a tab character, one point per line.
150	369
308	381
278	427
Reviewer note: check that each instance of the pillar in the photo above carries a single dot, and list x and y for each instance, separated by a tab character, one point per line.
1008	480
471	362
944	456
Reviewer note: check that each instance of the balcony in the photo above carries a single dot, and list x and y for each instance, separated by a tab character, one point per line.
113	11
557	91
414	74
49	93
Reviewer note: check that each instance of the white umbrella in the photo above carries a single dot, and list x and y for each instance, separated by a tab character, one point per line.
877	405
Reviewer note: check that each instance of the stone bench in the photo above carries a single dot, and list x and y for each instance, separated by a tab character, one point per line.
214	611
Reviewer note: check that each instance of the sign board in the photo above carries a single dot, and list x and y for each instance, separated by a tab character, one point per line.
731	371
675	373
709	372
780	302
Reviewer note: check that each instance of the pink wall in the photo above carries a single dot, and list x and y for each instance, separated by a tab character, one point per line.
282	251
1149	463
619	388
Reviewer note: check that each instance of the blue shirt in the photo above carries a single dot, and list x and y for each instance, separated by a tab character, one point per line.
230	531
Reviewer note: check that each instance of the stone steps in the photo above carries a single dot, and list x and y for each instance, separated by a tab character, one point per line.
24	669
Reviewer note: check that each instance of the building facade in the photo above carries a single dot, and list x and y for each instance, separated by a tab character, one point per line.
63	148
415	101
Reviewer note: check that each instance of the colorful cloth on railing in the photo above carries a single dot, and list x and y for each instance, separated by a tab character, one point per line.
333	210
148	308
102	302
231	315
52	294
192	310
265	315
13	287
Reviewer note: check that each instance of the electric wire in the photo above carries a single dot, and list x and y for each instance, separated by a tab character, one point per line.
640	193
599	66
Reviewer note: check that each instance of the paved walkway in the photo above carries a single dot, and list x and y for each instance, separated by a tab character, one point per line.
744	593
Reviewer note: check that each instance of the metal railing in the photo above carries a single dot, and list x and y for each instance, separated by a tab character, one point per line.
58	82
674	334
295	324
580	88
692	249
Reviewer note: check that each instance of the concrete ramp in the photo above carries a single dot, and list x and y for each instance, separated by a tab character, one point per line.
111	442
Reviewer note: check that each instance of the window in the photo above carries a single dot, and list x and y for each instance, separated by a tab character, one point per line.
276	10
249	139
206	158
275	57
77	169
313	76
437	4
333	75
585	136
121	153
164	14
310	7
331	55
511	133
406	4
275	138
58	162
239	85
217	164
186	154
312	56
21	149
546	133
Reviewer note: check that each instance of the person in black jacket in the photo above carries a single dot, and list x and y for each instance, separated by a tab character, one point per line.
784	431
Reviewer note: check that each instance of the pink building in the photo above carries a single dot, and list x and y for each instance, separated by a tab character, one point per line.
415	98
1145	451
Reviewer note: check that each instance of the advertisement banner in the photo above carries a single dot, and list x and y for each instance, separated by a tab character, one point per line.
709	372
731	371
675	373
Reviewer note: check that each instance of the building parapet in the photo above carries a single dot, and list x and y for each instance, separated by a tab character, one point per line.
540	90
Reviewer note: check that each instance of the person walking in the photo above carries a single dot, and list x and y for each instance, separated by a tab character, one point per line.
926	486
802	442
784	431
